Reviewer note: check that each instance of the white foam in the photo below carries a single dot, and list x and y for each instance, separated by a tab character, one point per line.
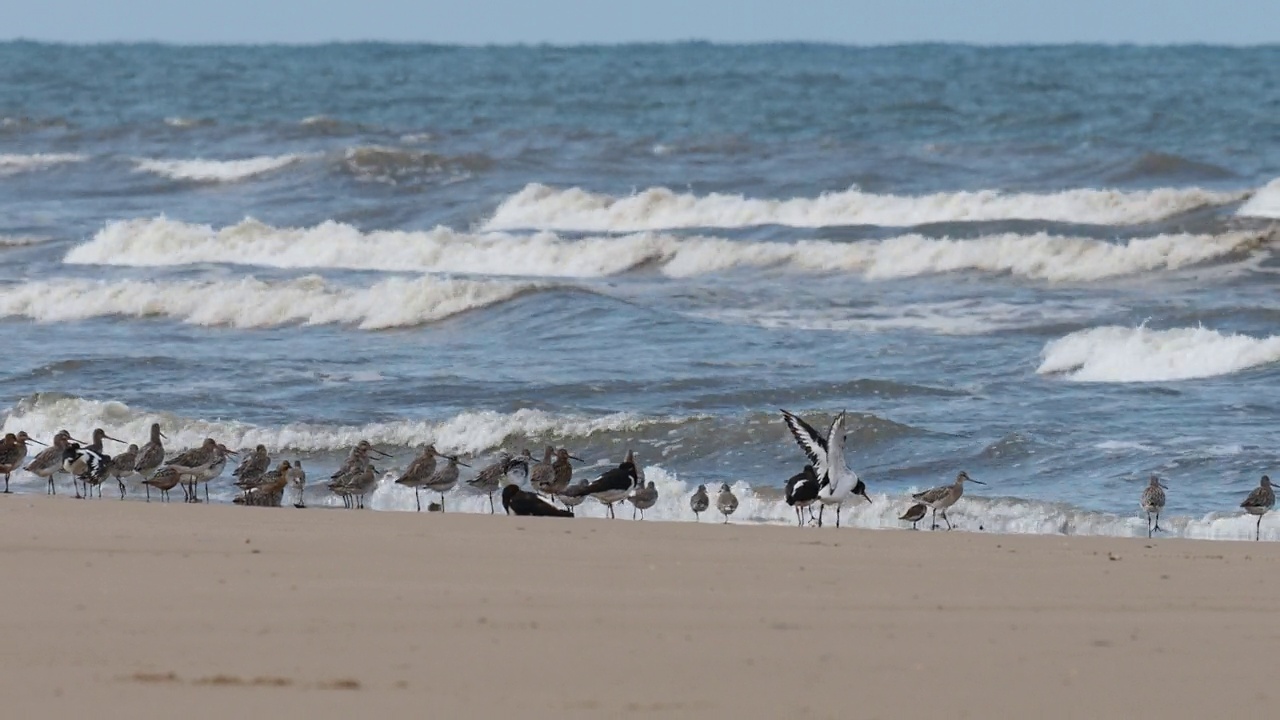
956	317
204	170
14	164
21	240
467	432
1264	204
160	241
541	207
252	303
1125	354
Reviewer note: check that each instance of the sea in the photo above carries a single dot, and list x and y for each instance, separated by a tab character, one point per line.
1054	268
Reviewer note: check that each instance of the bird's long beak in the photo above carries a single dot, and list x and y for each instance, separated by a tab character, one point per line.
383	454
455	459
1166	487
115	439
166	437
78	442
976	481
37	442
865	495
575	457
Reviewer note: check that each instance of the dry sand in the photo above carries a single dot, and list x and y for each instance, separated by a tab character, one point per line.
115	609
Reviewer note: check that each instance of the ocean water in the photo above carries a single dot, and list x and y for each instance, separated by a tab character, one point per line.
1052	267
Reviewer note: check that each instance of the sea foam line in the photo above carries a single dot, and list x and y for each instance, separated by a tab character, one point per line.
205	170
162	242
542	207
1140	354
253	303
14	164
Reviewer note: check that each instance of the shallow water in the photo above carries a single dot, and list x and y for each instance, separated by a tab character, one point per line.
1051	267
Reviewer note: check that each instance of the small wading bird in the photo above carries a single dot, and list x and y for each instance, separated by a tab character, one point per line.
122	466
1153	502
48	462
150	456
615	484
13	450
519	502
505	468
944	496
419	471
914	514
643	498
836	481
444	479
1259	502
699	502
727	502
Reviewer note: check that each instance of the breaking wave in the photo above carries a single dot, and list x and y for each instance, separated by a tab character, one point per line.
539	206
1124	354
203	170
253	303
1264	204
14	164
160	242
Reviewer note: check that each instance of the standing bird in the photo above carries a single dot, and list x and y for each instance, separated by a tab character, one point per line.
506	466
542	475
643	498
1153	502
573	495
1259	502
613	485
419	472
445	478
699	503
520	502
252	467
13	450
122	466
801	491
298	481
836	482
944	496
48	462
164	480
267	488
727	502
561	473
914	514
88	464
151	456
200	465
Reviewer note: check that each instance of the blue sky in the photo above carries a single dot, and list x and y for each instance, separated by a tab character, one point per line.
604	21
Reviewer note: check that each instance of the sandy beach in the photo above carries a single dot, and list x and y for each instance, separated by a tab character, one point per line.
135	610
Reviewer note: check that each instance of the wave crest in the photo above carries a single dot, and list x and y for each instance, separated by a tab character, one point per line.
252	303
542	207
162	242
1124	354
14	164
215	171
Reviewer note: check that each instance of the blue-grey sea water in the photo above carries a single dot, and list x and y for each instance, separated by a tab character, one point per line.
1052	267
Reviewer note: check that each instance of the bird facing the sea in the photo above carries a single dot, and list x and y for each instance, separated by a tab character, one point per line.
944	496
699	502
1153	503
726	502
1259	502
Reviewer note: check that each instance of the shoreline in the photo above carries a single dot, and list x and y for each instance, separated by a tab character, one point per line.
223	609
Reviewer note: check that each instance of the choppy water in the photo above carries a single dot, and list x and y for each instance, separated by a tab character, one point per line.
1052	267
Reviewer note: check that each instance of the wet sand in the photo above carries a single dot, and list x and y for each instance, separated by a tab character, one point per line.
135	610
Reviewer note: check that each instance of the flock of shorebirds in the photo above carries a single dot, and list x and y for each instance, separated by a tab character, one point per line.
825	480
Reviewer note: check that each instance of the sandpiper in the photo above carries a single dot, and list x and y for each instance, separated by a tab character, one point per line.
201	465
1259	502
519	502
419	471
444	479
122	466
506	467
801	491
252	467
699	502
13	450
643	498
944	496
542	475
914	514
48	462
266	488
298	481
573	495
1153	502
561	473
151	456
836	481
164	480
726	502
